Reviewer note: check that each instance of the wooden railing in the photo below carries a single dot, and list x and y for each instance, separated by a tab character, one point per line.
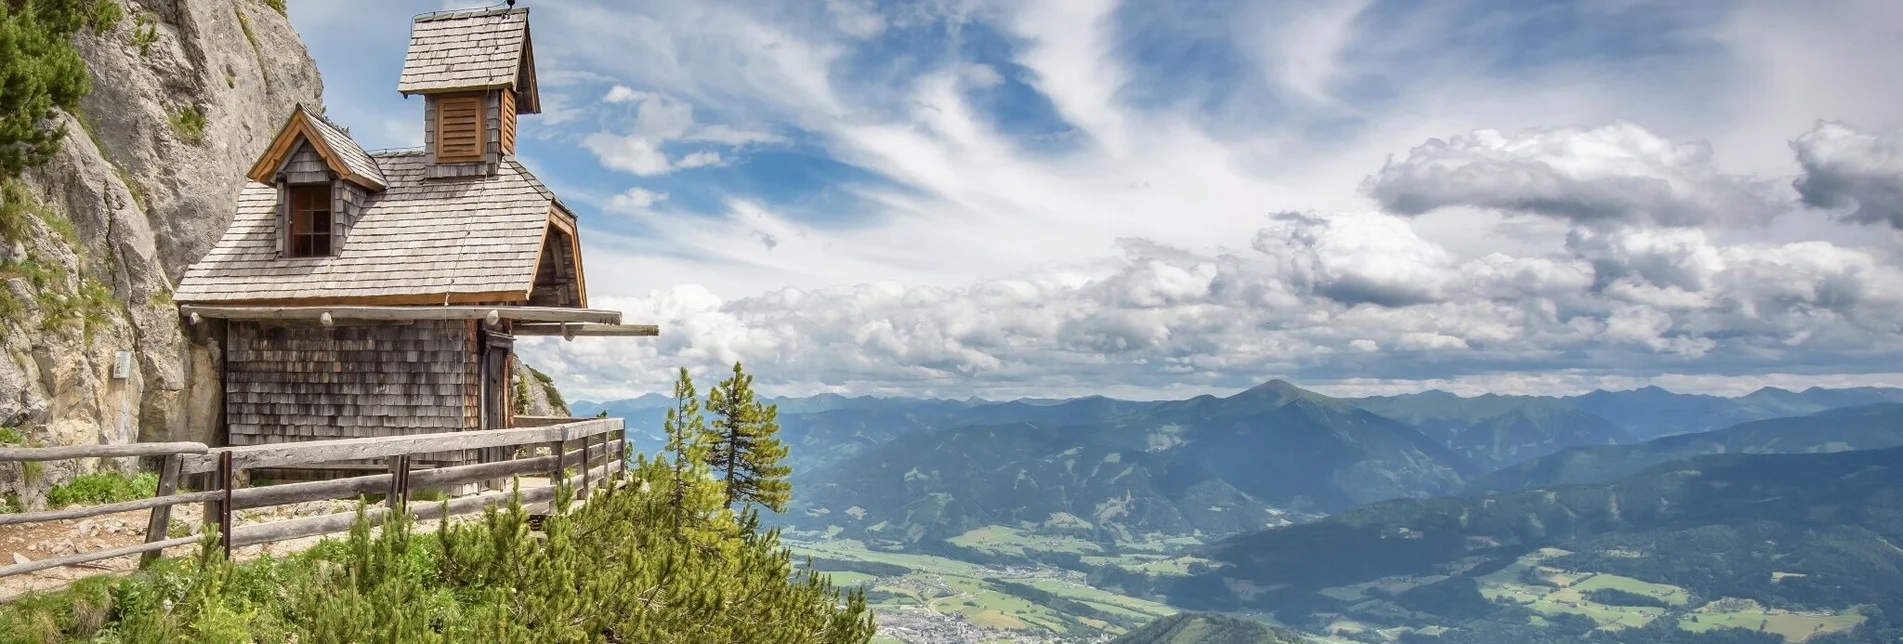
598	456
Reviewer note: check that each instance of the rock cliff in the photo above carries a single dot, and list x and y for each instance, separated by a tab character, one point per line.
185	95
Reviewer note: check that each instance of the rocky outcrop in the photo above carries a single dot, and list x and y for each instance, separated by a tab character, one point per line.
185	94
535	393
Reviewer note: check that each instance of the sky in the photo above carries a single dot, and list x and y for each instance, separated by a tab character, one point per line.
1156	200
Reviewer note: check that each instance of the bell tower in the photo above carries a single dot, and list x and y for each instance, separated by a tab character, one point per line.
476	72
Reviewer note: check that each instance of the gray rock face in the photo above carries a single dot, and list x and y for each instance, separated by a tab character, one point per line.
145	181
533	395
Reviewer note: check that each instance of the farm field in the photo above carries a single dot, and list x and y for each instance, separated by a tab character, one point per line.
937	596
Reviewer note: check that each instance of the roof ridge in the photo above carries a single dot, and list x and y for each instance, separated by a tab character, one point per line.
452	14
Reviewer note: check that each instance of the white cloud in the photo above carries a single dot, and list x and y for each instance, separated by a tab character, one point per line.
1858	172
698	159
1602	223
1159	318
635	199
628	153
659	120
1615	173
859	18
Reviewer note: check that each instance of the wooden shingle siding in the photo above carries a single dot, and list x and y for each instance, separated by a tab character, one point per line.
419	237
340	154
285	383
305	166
466	49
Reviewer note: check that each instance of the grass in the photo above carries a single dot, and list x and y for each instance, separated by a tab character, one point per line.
1668	593
278	6
103	487
188	123
18	208
244	24
12	436
1007	540
956	587
1794	627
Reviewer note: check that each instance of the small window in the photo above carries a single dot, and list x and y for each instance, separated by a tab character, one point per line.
310	221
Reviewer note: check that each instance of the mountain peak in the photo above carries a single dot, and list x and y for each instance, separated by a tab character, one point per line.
1280	391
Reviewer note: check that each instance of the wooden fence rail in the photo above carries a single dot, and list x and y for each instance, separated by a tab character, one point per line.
595	448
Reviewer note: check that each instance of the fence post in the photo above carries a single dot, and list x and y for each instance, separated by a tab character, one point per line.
161	520
587	461
399	497
224	506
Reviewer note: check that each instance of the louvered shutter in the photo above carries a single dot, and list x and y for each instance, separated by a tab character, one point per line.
459	129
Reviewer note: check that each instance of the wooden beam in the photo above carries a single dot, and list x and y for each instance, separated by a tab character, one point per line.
349	449
404	313
10	454
602	330
82	512
84	557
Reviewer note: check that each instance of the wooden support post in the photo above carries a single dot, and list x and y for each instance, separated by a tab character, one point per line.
560	450
587	461
224	507
399	496
161	516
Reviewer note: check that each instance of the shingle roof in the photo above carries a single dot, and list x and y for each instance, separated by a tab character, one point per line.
417	238
465	50
347	150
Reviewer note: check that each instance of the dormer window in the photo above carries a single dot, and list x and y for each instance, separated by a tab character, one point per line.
310	219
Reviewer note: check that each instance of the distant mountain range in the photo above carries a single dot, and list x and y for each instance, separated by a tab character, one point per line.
1489	431
908	470
1837	430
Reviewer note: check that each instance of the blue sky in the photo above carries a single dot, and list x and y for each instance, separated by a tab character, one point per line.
956	197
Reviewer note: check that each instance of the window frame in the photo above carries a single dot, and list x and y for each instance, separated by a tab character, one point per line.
302	206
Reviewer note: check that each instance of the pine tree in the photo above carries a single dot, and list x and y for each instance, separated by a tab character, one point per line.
40	71
747	450
692	494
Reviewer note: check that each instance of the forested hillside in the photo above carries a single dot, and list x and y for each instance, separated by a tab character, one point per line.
1865	427
1813	534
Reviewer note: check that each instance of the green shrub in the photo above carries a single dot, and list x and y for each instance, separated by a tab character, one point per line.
12	436
613	570
278	6
103	487
145	31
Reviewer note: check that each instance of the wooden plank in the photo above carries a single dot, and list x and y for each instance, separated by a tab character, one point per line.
137	548
350	449
162	501
405	313
9	454
161	519
344	488
592	330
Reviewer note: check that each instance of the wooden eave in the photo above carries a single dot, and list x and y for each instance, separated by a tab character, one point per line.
405	313
298	126
528	99
428	299
560	219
